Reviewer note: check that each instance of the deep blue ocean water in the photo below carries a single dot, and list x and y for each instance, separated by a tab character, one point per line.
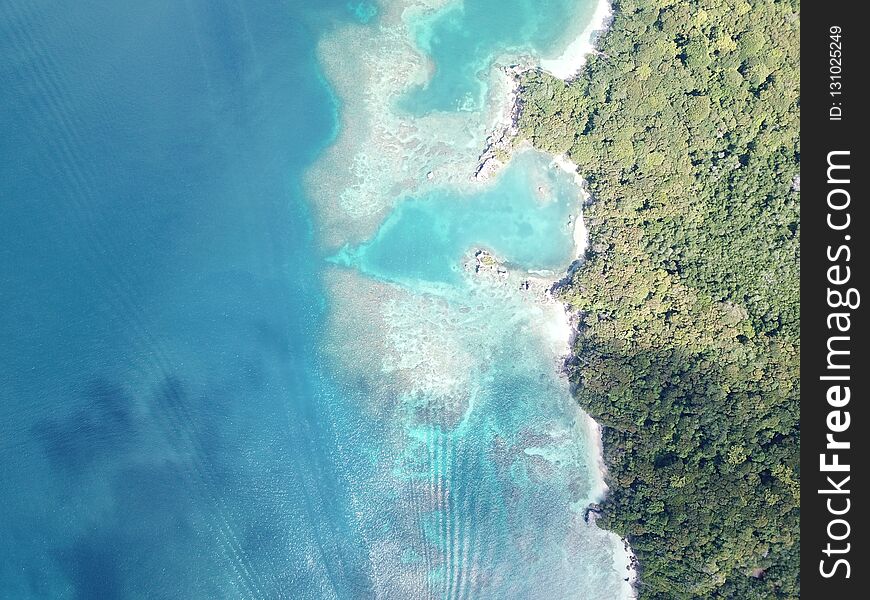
171	425
159	379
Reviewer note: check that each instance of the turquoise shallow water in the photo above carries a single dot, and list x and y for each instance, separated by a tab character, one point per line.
464	37
522	217
196	401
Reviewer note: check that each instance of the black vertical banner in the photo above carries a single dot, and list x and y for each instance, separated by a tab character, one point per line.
834	347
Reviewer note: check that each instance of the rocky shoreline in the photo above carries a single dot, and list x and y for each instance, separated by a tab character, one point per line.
497	151
484	264
500	143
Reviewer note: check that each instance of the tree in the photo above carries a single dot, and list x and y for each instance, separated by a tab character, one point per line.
686	128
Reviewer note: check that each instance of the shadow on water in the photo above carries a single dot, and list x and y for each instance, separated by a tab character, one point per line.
100	427
93	569
198	474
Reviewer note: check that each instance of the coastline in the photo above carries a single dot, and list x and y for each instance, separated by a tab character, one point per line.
566	67
580	233
372	139
569	64
560	329
498	151
632	343
626	558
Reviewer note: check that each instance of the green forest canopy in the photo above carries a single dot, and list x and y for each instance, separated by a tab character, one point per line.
686	127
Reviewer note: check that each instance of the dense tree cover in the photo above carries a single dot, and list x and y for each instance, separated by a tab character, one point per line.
686	127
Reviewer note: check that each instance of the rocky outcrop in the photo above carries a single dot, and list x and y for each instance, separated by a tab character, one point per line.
499	144
485	263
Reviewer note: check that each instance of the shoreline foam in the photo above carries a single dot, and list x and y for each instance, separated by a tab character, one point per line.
572	60
363	199
568	66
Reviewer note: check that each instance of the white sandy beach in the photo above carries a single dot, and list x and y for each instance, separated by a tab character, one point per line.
565	67
379	142
571	61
